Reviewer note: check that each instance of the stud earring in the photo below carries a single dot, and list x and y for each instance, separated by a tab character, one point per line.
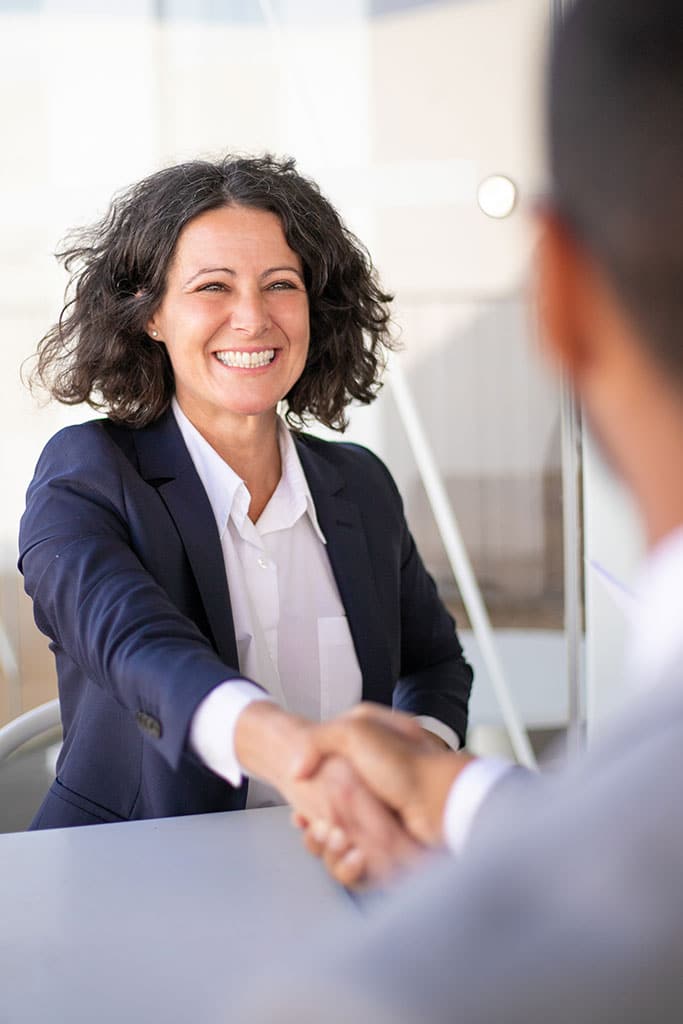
155	334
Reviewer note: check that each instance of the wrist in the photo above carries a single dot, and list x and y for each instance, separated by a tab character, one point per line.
435	741
438	773
265	738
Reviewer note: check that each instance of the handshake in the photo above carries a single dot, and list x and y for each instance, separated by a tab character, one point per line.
368	789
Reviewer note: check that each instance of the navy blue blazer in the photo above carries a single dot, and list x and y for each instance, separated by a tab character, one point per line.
121	555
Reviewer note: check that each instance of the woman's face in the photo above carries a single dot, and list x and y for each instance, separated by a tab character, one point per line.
234	317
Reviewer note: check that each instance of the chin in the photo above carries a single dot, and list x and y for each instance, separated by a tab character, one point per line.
252	408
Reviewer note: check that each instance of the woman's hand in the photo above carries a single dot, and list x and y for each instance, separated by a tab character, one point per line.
364	841
267	738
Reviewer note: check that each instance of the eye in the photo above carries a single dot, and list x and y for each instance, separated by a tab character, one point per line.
213	286
278	286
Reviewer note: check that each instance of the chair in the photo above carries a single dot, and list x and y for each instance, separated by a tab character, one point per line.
28	751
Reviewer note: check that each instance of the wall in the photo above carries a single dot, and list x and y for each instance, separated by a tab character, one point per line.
614	540
398	117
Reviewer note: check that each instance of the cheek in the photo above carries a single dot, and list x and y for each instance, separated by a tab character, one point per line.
303	354
299	357
297	327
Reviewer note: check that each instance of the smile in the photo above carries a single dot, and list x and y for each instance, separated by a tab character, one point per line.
246	360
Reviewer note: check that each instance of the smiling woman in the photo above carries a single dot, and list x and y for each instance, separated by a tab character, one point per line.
100	352
212	579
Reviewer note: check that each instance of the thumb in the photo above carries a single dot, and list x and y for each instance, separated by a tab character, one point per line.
320	741
389	718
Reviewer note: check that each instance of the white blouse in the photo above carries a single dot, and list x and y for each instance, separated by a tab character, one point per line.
292	634
291	629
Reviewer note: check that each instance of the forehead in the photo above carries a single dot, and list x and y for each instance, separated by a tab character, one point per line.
233	234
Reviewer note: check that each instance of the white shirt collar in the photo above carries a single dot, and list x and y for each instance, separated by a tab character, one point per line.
658	627
228	494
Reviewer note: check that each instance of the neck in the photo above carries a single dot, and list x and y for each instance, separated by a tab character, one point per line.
663	505
249	445
652	461
636	409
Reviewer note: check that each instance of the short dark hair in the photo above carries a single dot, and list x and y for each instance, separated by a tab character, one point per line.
99	352
615	126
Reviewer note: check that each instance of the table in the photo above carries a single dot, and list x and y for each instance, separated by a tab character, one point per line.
154	921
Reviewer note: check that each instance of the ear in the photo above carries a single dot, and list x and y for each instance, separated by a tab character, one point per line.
564	296
153	330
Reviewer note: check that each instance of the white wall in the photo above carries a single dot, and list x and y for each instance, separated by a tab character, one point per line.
398	118
614	539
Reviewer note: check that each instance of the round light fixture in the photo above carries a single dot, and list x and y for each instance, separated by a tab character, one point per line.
497	196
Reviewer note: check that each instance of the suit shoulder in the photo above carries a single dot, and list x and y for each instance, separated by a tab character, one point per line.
86	440
351	459
78	436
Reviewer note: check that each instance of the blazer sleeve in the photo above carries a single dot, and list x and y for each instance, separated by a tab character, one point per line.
96	601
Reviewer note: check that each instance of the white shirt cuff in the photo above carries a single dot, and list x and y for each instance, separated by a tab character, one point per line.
467	794
212	730
444	732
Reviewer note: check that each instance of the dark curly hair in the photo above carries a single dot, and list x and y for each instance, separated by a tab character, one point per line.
99	352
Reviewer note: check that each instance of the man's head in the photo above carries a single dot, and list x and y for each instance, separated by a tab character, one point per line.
612	249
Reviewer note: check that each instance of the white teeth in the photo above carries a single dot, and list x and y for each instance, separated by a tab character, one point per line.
246	360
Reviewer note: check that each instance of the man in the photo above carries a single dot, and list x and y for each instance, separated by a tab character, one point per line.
566	904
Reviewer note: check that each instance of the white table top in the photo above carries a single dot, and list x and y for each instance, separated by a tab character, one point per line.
153	920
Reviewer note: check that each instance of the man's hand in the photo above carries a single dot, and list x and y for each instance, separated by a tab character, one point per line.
395	760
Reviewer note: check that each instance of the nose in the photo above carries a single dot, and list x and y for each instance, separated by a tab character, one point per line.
249	312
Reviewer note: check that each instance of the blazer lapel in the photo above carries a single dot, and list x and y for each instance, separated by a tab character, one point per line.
166	463
347	548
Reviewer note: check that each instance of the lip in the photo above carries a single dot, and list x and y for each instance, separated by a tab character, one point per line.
250	351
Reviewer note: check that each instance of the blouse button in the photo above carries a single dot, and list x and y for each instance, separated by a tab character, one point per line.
262	563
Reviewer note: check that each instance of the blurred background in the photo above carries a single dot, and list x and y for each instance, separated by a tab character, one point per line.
402	111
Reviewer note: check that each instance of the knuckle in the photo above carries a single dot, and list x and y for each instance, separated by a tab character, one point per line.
312	845
342	777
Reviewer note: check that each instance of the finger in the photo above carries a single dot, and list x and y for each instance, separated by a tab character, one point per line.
380	756
348	736
396	720
337	842
316	837
372	828
350	869
299	820
336	848
315	848
332	737
434	741
308	757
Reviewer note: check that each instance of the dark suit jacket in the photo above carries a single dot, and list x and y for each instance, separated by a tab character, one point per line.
121	555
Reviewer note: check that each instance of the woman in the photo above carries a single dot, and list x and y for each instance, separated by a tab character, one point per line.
190	542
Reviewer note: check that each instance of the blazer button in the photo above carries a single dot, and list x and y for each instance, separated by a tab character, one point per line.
149	723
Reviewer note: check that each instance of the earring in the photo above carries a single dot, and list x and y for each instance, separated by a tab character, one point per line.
155	334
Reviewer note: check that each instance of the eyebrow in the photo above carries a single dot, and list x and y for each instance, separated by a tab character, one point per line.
229	270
